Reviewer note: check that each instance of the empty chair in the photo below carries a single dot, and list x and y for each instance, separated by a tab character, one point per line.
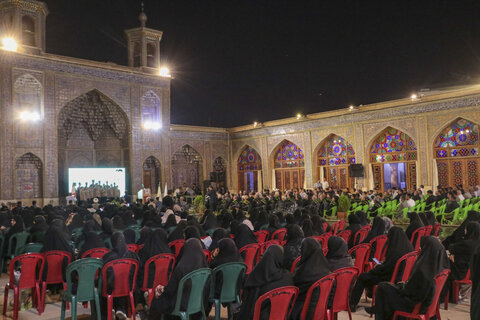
416	237
345	235
281	301
261	235
250	254
95	253
361	253
279	234
361	235
162	265
320	311
344	277
176	246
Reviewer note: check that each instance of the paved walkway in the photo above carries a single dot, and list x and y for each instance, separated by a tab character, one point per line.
52	310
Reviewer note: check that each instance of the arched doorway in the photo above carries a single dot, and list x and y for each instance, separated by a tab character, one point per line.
151	174
393	156
28	177
249	170
186	167
456	150
289	164
333	158
93	131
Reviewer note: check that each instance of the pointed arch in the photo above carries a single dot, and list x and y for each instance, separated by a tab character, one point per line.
249	166
28	177
28	94
289	166
393	155
187	165
456	150
151	107
151	173
333	156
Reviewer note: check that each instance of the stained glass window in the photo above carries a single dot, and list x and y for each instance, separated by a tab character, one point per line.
393	145
249	160
460	139
289	155
335	151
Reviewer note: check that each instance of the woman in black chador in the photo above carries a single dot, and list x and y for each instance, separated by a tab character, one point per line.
312	267
420	288
293	246
267	275
192	259
397	245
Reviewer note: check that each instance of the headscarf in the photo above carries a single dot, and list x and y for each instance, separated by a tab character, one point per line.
337	254
191	221
217	235
177	233
119	248
293	245
18	227
156	244
312	265
118	223
268	269
77	222
56	239
318	225
244	236
363	218
39	225
226	220
210	222
378	229
92	240
145	233
227	252
307	227
415	223
107	226
129	235
191	259
171	222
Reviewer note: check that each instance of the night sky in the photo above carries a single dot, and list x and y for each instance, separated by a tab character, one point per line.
235	62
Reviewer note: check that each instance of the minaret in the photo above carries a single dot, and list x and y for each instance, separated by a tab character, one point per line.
144	46
24	21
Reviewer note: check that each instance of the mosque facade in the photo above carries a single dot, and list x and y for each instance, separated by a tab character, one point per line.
60	112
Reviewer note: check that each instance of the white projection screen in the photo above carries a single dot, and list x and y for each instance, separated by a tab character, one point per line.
112	175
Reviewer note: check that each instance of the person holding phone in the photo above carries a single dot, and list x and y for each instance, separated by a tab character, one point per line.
397	245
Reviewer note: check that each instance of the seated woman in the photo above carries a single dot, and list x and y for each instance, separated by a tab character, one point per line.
318	225
420	288
217	235
92	240
155	244
267	275
397	245
273	224
16	227
56	240
119	251
415	223
165	297
177	233
461	253
293	246
353	225
337	254
243	235
312	267
38	229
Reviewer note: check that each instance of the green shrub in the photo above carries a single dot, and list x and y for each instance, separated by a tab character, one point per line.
343	203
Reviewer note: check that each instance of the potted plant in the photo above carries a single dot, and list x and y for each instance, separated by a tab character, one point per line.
343	206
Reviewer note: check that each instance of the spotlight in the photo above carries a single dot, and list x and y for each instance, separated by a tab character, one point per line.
414	97
352	108
300	116
9	44
164	72
151	125
29	116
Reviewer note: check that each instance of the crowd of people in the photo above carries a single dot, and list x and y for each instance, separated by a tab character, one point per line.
96	190
229	223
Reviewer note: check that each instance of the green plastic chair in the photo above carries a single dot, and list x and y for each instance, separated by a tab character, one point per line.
87	270
108	243
20	241
334	211
198	279
33	247
231	273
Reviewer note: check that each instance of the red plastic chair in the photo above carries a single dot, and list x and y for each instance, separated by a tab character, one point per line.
433	309
95	253
323	239
362	253
408	260
325	285
325	226
379	254
345	235
121	269
54	264
416	237
133	247
250	253
428	230
325	251
456	289
345	278
163	270
279	234
281	302
176	246
339	225
361	235
262	236
267	244
436	229
294	264
32	269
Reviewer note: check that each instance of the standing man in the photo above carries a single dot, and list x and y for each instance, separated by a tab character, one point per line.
325	184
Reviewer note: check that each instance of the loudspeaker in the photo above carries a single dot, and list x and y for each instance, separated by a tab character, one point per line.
356	170
221	176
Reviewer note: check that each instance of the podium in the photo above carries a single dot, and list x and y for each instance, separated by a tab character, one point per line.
143	194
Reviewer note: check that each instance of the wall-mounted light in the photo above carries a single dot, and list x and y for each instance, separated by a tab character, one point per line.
29	116
164	72
9	44
300	116
352	108
414	97
152	125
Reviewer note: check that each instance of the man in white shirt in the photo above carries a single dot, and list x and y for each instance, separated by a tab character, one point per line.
325	184
410	201
460	196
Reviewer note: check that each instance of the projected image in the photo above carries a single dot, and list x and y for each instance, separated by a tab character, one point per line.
100	175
